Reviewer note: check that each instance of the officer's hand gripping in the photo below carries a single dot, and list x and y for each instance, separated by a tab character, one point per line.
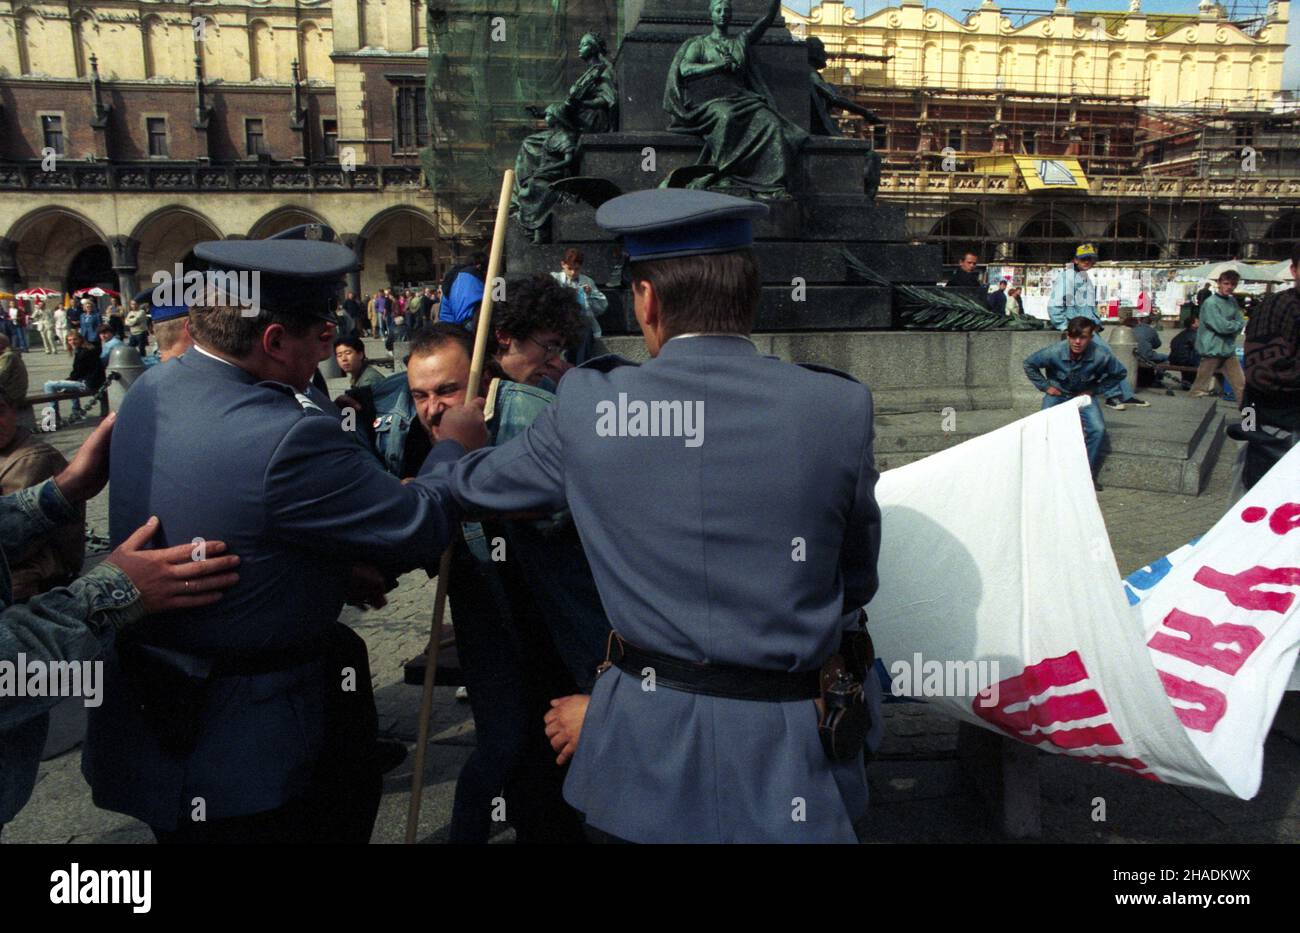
464	424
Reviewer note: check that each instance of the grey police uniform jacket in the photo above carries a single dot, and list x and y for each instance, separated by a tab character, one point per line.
744	548
216	454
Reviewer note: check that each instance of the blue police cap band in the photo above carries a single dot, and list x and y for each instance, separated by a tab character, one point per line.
159	313
663	223
716	236
162	313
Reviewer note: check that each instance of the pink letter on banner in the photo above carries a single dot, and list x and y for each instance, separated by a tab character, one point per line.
1202	720
1034	680
1201	647
1240	587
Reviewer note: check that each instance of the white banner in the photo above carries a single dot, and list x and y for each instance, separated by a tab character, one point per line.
1000	601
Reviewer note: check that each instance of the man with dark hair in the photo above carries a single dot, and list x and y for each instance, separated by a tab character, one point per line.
966	275
1078	366
1273	377
1182	348
688	517
1148	340
533	326
248	706
997	299
527	629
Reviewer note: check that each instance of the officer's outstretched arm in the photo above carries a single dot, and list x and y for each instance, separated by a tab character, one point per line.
524	474
861	549
323	491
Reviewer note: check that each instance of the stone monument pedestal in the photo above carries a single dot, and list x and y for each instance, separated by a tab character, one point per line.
810	241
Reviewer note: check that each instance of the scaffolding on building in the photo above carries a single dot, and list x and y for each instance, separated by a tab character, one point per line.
1155	162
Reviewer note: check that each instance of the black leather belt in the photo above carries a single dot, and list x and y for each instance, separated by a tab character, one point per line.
716	680
258	661
243	662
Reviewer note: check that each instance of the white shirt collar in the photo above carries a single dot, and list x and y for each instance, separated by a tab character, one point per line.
212	356
705	334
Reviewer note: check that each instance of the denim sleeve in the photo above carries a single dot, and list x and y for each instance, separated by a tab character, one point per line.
1056	302
597	303
1034	364
524	474
1113	372
29	513
68	623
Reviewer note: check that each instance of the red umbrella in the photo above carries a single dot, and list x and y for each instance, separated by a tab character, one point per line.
95	291
36	294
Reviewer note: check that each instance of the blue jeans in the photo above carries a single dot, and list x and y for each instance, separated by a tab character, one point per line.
1125	388
20	337
65	385
1094	425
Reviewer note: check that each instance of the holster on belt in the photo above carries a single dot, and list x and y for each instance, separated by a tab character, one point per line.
168	698
845	719
170	689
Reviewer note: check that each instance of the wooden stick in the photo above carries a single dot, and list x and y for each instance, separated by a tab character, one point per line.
444	566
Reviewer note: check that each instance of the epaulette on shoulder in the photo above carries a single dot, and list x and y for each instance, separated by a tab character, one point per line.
606	363
829	370
304	401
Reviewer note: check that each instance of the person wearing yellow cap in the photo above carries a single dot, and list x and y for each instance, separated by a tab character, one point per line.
1074	294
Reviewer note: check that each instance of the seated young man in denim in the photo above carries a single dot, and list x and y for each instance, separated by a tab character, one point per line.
1078	366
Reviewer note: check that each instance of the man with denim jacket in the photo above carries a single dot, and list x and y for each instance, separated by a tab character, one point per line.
513	666
690	478
1077	366
73	623
1074	294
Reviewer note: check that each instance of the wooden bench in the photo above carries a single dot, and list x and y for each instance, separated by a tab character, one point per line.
46	398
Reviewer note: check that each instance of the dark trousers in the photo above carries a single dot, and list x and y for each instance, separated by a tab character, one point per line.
342	801
512	672
330	814
1265	450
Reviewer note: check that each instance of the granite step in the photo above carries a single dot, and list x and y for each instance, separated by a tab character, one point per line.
1169	447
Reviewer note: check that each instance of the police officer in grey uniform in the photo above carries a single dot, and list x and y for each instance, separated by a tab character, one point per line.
726	502
252	720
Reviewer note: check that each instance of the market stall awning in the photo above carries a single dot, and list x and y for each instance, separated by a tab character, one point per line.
1249	272
1055	174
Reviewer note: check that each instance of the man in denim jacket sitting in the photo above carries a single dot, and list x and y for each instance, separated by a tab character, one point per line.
529	627
1078	366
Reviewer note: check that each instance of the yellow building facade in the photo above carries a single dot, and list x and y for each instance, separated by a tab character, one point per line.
152	41
1164	60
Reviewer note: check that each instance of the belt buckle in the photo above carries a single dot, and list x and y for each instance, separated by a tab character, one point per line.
610	661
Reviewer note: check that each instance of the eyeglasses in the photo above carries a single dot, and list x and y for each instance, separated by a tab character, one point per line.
552	350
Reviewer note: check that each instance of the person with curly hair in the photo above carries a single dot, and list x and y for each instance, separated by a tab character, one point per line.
539	319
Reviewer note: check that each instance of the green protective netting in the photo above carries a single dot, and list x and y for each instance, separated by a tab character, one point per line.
490	60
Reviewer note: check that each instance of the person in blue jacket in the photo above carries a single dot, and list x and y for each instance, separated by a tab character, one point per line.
1078	366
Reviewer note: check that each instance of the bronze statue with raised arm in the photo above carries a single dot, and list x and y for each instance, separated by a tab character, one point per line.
716	91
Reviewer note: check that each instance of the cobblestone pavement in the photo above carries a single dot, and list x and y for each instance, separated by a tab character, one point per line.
918	790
